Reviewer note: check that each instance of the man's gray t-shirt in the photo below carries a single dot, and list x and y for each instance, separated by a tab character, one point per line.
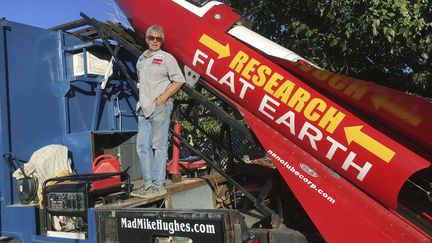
155	74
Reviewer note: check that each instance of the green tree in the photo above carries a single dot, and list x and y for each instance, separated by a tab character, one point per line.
388	42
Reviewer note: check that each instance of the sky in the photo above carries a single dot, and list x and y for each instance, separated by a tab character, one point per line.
49	13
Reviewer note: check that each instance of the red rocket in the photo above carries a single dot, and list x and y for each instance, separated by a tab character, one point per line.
345	147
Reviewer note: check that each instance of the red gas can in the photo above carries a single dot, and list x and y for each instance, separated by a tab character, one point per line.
106	163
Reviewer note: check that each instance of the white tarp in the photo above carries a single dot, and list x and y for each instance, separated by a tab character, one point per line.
45	163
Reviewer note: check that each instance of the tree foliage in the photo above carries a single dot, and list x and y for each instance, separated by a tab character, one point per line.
388	42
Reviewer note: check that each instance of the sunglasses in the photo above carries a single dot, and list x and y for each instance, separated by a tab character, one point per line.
152	38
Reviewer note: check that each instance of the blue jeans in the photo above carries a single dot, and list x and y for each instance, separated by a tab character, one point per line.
152	144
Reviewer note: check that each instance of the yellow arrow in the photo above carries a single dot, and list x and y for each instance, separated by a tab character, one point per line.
399	112
222	50
355	134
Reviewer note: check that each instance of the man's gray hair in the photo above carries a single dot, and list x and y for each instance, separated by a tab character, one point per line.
155	29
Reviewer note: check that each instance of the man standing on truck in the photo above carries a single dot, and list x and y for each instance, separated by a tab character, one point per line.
159	77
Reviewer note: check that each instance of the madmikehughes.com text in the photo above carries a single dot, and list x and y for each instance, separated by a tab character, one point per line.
169	226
